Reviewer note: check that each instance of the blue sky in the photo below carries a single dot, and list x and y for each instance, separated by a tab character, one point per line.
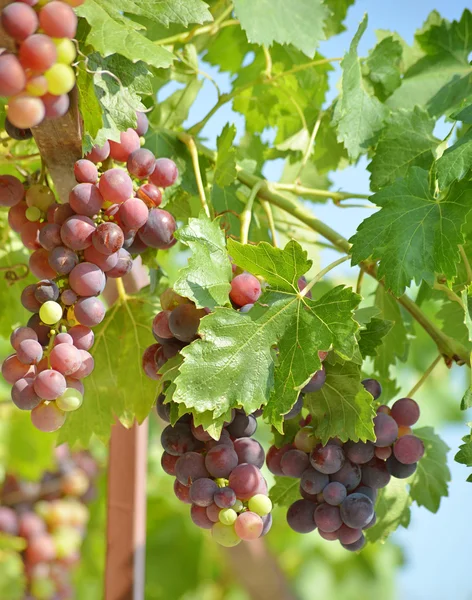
436	546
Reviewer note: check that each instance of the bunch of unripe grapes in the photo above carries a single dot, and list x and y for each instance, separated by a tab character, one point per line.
75	248
51	518
220	479
38	77
339	481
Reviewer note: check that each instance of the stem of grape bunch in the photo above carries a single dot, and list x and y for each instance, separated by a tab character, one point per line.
322	273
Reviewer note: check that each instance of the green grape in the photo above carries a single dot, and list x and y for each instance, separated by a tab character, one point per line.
65	50
67	541
225	535
227	516
260	504
33	213
238	506
37	85
50	312
61	79
70	400
40	196
43	588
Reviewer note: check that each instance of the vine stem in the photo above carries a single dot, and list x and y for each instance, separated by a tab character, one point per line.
308	148
360	279
186	37
120	287
424	377
449	293
322	273
466	263
307	192
246	215
270	219
192	148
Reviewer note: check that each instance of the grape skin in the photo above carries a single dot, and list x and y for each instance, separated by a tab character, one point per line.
29	352
49	384
23	395
65	359
158	231
220	461
85	171
25	112
140	163
77	231
182	492
116	186
327	459
63	260
294	463
89	311
399	470
249	451
199	516
13	369
300	516
178	439
327	517
316	382
86	279
86	199
129	143
245	289
357	511
202	491
184	322
37	53
133	213
359	452
334	493
248	526
58	20
274	456
47	418
245	480
225	497
123	265
19	20
190	467
165	173
11	190
349	475
242	425
20	334
55	105
373	387
108	238
375	474
99	153
385	429
406	412
12	78
348	535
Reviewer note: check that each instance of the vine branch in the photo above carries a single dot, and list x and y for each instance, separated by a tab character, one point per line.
322	273
424	377
192	148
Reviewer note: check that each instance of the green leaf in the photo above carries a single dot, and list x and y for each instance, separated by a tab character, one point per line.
384	65
464	456
225	168
285	491
406	141
372	336
299	22
358	115
227	49
117	387
456	161
392	508
174	110
395	343
280	268
342	407
429	483
338	12
173	11
90	107
206	279
415	235
111	33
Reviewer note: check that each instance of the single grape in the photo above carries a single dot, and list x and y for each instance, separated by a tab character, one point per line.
29	352
327	517
296	408
301	516
165	173
313	482
359	452
383	453
129	143
305	439
60	78
46	290
23	395
62	213
39	265
86	365
406	412
50	236
225	498
327	459
245	480
86	279
33	213
29	234
190	467
245	289
184	321
202	491
242	425
66	51
12	78
225	535
168	463
20	334
105	263
16	214
294	463
213	513
249	451
329	536
63	260
140	162
76	232
408	450
199	516
49	384
63	338
50	312
70	400
182	492
99	153
25	111
58	20
349	475
220	461
398	469
356	545
371	523
28	299
55	105
348	535
158	231
86	199
142	123
274	456
373	387
133	213
30	525
108	238
19	20
334	493
260	504
248	525
178	439
48	417
68	297
150	195
367	491
37	53
65	358
13	369
227	516
357	511
316	382
375	474
37	85
385	429
116	186
123	265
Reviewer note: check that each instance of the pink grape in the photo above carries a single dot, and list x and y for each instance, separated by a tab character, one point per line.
165	173
245	289
199	516
86	366
182	492
65	359
28	299
85	199
150	195
140	163
158	232
76	232
63	260
123	266
17	213
50	236
58	20
13	369
19	20
129	142
116	186
133	213
85	171
49	384
29	352
23	395
55	106
76	384
62	213
12	75
30	235
68	297
39	264
25	111
406	412
408	450
108	238
92	255
245	480
12	191
20	334
89	311
38	53
86	279
47	418
63	338
30	525
99	153
385	429
143	123
248	526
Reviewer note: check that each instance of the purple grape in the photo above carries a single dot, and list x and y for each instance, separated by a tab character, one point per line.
367	491
168	462
274	456
356	545
142	123
163	410
385	429
296	408
76	232
50	236
42	331
408	450
373	387
63	260
327	459
245	480
158	231
357	510
202	491
406	412
359	452
190	467
313	482
398	469
267	524
46	290
294	463
220	461
165	173
334	493
225	497
300	516
20	334
199	516
327	517
375	474
316	382
108	238
29	352
28	299
242	426
182	492
178	440
249	451
348	535
245	289
23	395
123	265
349	475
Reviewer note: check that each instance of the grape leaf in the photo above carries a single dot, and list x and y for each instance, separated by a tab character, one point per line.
464	455
299	22
395	344
206	279
337	14
89	106
117	386
392	508
456	161
225	168
227	49
415	235
174	110
285	491
183	12
110	33
342	407
358	115
429	483
406	141
372	336
384	65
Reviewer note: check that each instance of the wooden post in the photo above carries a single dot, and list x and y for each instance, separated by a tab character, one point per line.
126	528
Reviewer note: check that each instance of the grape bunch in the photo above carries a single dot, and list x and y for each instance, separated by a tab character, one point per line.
220	479
339	482
51	517
38	77
75	248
